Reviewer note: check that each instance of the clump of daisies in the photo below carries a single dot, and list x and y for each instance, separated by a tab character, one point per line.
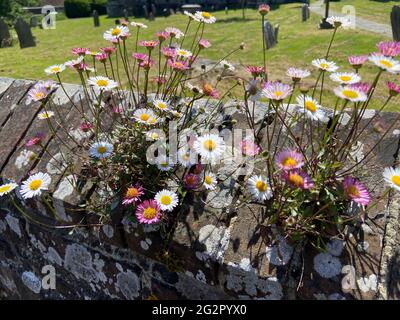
153	132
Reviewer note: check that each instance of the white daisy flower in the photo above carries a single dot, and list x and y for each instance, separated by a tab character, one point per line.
166	199
153	135
191	15
209	181
337	22
101	149
34	185
145	116
74	62
204	16
350	93
161	105
102	83
385	63
210	146
297	74
195	89
259	188
325	65
186	158
7	188
57	68
138	25
163	164
345	77
174	33
226	65
116	33
45	115
310	107
183	53
392	177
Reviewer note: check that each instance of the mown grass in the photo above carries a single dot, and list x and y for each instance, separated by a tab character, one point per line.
299	43
375	10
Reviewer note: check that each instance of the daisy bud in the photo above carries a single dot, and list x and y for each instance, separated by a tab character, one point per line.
219	78
264	153
290	221
241	47
263	9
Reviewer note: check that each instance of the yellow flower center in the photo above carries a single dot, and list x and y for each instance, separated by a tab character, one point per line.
132	193
310	106
56	69
144	117
296	179
353	191
162	105
39	95
152	120
396	180
154	135
209	144
5	188
386	63
206	15
345	78
115	32
324	65
208	180
149	213
165	200
102	83
289	162
278	93
350	94
186	157
102	149
35	184
261	186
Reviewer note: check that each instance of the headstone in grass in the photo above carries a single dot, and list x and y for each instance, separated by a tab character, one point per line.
395	20
145	12
325	24
270	35
126	15
24	33
5	37
34	21
305	12
96	19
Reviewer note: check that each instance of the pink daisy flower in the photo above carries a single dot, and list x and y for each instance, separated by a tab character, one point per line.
394	89
162	35
86	126
140	56
148	212
204	44
174	32
389	48
210	91
289	160
159	80
357	61
108	50
297	74
81	51
255	71
263	9
149	44
249	148
276	90
37	93
168	52
35	140
356	191
199	168
191	180
298	179
361	86
147	64
178	65
133	194
102	57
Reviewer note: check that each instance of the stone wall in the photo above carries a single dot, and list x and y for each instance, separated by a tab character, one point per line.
217	250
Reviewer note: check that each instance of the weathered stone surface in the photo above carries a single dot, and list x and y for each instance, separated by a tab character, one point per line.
219	247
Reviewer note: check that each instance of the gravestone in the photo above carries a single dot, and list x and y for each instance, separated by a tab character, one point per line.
126	15
276	32
395	20
270	35
5	37
325	24
305	12
96	19
145	12
226	10
24	33
33	21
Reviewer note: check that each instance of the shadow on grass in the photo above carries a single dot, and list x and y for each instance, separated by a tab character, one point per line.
235	19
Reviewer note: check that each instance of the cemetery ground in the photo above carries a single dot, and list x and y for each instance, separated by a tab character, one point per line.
295	38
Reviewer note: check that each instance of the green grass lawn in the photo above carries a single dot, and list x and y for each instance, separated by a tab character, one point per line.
299	43
375	10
